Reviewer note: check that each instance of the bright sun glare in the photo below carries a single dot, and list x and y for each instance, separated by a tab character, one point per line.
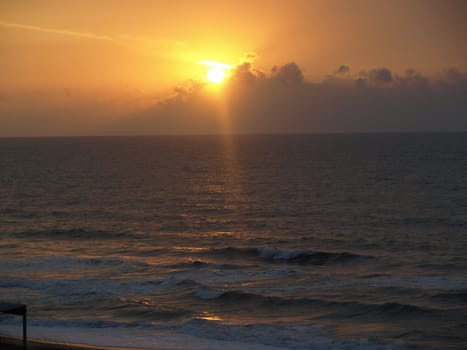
217	71
216	75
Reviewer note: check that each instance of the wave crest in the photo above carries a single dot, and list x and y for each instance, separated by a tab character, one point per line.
298	256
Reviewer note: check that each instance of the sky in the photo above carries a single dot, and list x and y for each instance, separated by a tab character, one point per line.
133	67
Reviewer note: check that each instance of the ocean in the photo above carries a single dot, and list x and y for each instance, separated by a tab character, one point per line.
339	241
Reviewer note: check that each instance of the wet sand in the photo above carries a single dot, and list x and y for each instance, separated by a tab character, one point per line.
10	343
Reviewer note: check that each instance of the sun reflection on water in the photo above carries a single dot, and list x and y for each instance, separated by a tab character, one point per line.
209	316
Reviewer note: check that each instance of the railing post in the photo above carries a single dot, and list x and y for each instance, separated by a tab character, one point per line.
25	332
21	310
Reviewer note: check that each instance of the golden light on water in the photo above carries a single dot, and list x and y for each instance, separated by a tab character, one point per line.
209	317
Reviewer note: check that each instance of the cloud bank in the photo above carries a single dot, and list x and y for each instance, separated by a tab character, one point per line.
253	101
282	101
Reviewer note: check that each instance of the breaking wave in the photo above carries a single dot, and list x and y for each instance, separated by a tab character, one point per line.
288	255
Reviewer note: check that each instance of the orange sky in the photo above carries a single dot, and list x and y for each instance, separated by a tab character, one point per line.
103	50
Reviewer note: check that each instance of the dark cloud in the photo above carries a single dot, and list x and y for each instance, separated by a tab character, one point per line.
244	73
377	100
412	78
343	69
281	101
184	92
380	75
288	74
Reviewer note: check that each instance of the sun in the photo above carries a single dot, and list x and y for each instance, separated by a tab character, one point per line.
216	75
217	71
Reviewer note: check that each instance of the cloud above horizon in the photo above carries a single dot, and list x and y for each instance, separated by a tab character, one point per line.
252	100
282	101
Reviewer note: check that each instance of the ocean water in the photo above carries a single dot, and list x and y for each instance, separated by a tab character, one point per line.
237	242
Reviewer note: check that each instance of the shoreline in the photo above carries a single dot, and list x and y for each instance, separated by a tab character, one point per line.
16	343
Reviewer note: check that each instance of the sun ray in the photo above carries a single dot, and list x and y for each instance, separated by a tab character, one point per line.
216	64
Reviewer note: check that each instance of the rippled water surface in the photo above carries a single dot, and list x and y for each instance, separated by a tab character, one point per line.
264	242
